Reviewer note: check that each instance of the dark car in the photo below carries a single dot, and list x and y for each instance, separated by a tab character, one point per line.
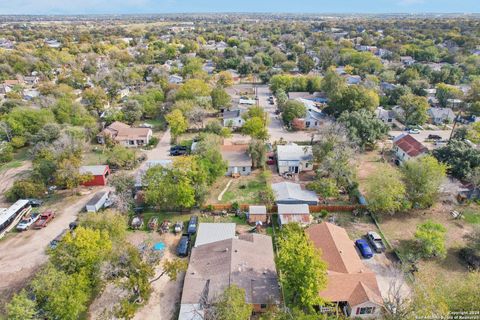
434	137
35	202
364	248
183	246
376	242
192	225
178	152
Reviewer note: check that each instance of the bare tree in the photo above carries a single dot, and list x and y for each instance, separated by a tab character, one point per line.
398	301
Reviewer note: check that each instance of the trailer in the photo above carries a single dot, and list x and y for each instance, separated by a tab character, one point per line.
97	202
9	217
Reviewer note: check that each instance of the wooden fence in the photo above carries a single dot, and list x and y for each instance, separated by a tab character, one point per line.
273	209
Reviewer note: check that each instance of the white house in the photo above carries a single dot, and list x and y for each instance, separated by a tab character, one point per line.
293	158
233	119
175	79
387	116
441	115
407	147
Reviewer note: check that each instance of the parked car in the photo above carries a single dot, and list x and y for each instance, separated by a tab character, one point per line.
27	222
376	241
434	137
54	243
192	225
44	219
73	225
153	223
178	227
178	150
137	222
364	248
35	202
183	246
414	131
164	227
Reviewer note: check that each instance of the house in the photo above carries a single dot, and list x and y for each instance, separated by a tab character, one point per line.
31	80
314	116
5	88
292	158
293	213
257	214
175	79
52	43
351	285
407	147
13	82
239	162
233	119
125	135
97	202
441	115
147	165
353	79
99	175
292	193
30	94
407	60
387	116
213	232
246	261
315	97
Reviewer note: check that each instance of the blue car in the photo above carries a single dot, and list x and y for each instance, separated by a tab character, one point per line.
364	248
192	225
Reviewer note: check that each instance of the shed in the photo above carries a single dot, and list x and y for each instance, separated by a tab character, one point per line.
97	202
99	175
292	193
257	214
293	213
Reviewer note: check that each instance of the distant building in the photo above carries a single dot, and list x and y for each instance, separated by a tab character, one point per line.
441	115
407	147
233	119
125	135
387	116
175	79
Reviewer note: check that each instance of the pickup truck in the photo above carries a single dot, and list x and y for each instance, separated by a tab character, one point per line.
27	222
44	219
375	242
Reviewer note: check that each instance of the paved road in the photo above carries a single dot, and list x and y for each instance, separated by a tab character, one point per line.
162	150
275	127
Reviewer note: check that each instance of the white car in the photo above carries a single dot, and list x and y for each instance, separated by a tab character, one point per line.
27	222
414	131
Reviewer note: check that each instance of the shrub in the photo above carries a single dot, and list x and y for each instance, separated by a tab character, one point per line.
18	142
6	152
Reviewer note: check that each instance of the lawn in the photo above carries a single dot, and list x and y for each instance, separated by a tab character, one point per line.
18	158
244	190
472	216
94	157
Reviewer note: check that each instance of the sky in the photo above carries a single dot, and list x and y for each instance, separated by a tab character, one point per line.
197	6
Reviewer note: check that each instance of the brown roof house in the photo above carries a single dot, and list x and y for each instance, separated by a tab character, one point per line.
407	147
125	135
351	285
246	261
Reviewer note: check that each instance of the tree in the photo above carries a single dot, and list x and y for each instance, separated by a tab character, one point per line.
110	222
231	305
124	185
61	295
305	63
364	127
255	127
460	157
193	88
292	110
96	98
324	187
447	92
415	109
332	83
21	307
220	98
258	152
423	178
302	272
386	191
168	188
67	174
430	238
353	98
6	152
225	79
24	189
178	123
121	157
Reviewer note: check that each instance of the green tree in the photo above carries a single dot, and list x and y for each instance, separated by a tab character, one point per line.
178	123
258	152
193	88
353	98
423	178
293	109
430	238
460	157
24	189
255	127
121	157
324	187
231	305
305	63
415	108
21	307
364	127
386	191
332	83
220	98
447	92
303	273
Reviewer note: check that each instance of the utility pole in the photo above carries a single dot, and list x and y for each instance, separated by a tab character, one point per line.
454	120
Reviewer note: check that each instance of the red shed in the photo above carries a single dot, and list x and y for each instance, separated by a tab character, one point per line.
99	173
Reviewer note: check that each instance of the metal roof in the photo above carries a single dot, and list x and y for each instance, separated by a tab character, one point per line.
94	170
292	191
257	210
293	209
5	215
294	152
212	232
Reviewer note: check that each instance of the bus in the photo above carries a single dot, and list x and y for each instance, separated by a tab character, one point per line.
9	217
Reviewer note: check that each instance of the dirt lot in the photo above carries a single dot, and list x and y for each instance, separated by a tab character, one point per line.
23	253
8	177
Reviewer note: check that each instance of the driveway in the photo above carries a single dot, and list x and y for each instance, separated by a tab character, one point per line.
162	150
23	253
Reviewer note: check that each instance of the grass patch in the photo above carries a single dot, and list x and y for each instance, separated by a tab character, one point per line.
94	157
472	217
10	165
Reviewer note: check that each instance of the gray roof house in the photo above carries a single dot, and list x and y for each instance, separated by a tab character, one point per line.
387	116
293	158
441	115
213	232
239	162
233	118
292	193
247	262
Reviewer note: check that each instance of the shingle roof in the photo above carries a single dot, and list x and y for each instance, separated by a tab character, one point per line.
121	131
247	262
348	278
294	152
410	145
212	232
236	155
291	191
230	114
